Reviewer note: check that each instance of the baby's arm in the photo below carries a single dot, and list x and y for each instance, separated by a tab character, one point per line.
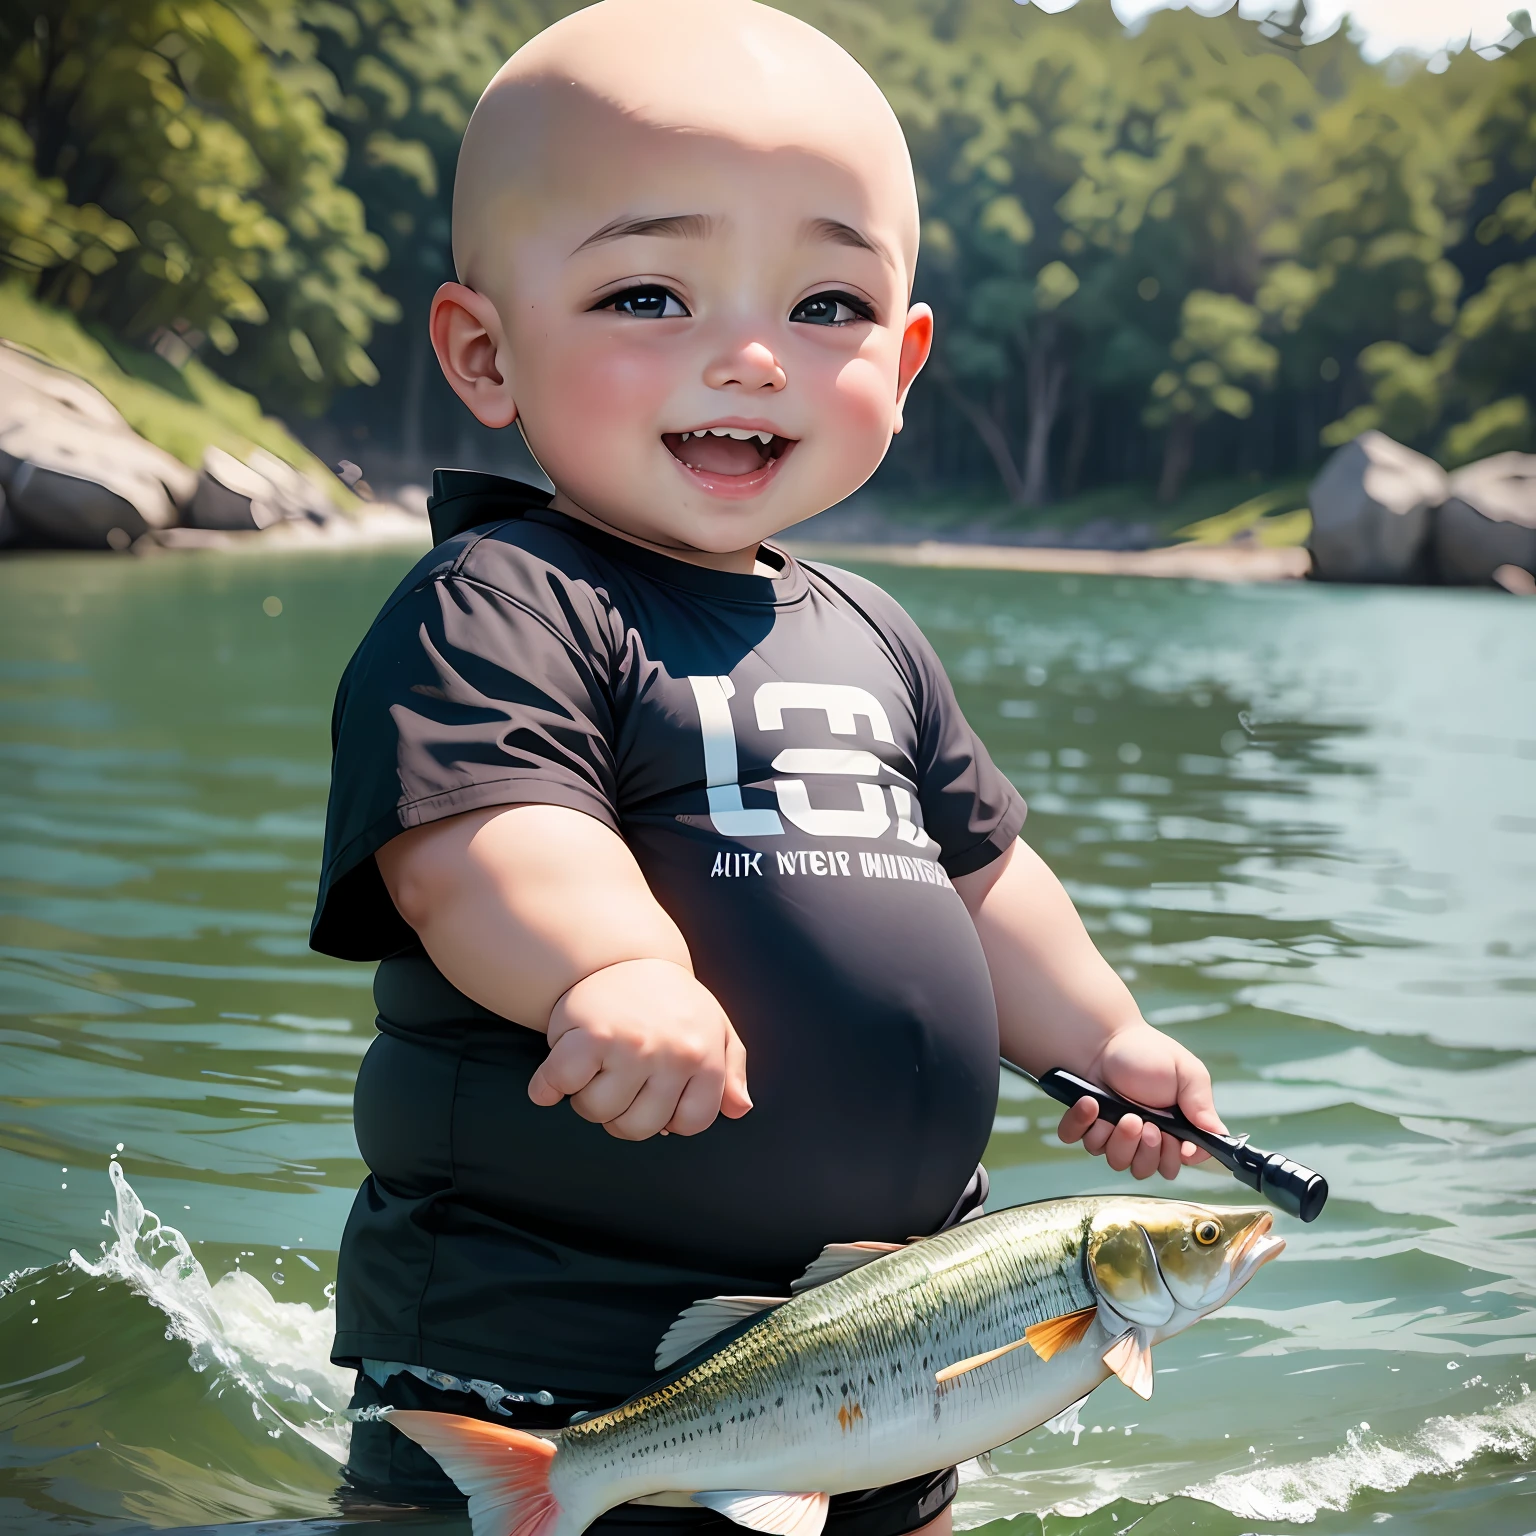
1060	1004
541	914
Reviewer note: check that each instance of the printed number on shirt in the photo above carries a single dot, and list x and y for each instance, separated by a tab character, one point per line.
843	706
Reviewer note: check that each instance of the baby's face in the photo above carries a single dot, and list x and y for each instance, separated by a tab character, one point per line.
705	340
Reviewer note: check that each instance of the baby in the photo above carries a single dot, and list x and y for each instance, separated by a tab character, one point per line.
701	911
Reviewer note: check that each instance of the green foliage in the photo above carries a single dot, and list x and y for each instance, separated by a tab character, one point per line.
406	75
184	411
1490	347
1274	519
1185	243
1185	221
174	174
1177	223
1497	428
39	228
1406	394
1218	350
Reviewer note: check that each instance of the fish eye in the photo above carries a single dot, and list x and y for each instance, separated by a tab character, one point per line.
1207	1230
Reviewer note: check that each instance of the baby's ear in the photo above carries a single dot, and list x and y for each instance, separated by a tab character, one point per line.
467	337
916	343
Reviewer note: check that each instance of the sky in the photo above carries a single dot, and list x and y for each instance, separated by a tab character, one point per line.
1382	26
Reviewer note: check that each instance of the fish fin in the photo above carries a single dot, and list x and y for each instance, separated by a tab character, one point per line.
839	1259
1058	1333
960	1367
699	1323
504	1471
1130	1358
780	1514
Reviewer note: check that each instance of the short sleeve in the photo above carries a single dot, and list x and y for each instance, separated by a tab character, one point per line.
970	807
460	697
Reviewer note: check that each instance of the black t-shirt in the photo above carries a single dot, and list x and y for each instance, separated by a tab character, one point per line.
786	760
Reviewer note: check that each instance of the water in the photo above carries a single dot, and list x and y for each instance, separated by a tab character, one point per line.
1300	820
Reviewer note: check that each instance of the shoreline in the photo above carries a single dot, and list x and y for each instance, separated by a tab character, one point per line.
1235	563
391	526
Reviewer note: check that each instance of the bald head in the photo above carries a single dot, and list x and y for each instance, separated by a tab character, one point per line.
580	108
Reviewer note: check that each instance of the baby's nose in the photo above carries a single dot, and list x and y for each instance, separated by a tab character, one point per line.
749	366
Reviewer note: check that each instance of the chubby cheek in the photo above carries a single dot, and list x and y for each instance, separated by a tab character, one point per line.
592	409
854	408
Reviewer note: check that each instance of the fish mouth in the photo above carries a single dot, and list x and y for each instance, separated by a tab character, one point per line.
1255	1248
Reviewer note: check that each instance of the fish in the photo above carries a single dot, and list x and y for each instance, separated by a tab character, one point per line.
886	1361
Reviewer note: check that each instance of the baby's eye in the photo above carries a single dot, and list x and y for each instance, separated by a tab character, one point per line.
832	308
646	303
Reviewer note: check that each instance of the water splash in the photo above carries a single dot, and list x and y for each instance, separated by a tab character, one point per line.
1372	1464
1066	1422
278	1354
276	1351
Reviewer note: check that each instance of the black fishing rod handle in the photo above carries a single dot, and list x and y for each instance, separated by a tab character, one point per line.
1295	1189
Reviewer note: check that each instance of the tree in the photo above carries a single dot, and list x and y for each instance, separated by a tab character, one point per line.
1218	351
408	74
1172	251
988	105
193	186
1479	380
1458	379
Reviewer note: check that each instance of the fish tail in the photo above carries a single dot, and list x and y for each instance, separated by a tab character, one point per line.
505	1472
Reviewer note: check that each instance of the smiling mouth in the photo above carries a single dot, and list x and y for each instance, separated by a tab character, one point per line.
727	453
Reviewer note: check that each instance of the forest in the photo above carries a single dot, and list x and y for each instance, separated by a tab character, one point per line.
1194	248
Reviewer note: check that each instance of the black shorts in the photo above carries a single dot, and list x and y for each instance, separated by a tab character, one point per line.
388	1467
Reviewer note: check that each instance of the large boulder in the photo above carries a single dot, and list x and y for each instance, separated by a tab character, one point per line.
10	529
300	496
1372	506
73	471
24	376
231	495
1488	522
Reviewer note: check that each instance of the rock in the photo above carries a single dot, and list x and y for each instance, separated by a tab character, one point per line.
73	471
298	494
413	498
1488	522
10	529
80	510
25	374
232	495
1372	507
69	482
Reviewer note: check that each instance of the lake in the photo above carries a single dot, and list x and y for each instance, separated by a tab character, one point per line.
1300	820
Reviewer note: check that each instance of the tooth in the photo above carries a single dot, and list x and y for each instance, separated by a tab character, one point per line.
765	438
686	436
742	435
719	431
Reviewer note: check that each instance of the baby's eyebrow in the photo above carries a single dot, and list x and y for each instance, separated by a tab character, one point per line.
676	226
838	233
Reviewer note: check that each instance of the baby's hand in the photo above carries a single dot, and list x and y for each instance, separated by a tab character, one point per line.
641	1047
1150	1067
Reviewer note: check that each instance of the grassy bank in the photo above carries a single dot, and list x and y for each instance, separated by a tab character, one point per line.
182	410
1271	513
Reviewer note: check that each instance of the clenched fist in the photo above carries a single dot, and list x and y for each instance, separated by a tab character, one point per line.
640	1047
1149	1067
